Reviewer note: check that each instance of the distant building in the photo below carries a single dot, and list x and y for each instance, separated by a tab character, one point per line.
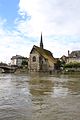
17	60
63	58
41	59
2	65
74	56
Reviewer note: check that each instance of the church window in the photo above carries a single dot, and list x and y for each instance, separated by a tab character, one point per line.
34	59
42	62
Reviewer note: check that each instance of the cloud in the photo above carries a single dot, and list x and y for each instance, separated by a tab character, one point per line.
58	20
12	43
60	17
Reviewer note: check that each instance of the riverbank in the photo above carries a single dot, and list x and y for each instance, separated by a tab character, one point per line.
21	70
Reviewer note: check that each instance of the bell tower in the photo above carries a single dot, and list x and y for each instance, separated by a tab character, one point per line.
41	42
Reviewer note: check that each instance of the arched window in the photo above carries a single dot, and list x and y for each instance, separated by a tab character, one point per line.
34	59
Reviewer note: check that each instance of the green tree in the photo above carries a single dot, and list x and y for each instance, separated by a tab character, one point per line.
58	65
24	63
72	65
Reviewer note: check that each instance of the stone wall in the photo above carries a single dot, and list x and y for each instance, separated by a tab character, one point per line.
39	64
33	65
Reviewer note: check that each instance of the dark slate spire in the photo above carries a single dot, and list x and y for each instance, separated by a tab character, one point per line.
41	42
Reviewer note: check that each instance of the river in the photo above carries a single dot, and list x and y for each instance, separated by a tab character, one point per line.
39	97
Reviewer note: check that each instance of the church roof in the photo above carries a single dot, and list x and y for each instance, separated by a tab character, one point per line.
45	53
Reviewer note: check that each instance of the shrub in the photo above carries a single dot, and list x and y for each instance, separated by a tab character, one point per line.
72	65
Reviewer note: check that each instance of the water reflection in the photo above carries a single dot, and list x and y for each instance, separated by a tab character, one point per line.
74	86
39	97
40	86
56	86
52	97
15	100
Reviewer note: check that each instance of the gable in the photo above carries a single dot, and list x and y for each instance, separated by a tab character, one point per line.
46	54
33	51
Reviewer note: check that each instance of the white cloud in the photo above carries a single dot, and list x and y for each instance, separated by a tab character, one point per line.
12	43
58	20
52	17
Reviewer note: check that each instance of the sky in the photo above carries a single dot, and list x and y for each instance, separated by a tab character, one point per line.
22	21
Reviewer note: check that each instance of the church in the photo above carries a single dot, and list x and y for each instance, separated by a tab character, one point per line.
40	59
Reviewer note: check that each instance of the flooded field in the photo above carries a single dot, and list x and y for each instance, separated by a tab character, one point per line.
39	97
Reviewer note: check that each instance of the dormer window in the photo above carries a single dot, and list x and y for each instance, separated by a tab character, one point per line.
34	59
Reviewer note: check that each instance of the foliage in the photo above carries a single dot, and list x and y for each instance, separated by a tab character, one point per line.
59	64
24	63
72	65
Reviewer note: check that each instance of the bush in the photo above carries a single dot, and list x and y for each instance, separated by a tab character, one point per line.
24	63
72	65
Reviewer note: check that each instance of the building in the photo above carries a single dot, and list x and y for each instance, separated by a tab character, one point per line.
63	58
41	59
2	65
17	60
74	56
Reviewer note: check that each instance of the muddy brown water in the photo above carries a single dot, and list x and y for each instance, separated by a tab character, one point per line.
39	97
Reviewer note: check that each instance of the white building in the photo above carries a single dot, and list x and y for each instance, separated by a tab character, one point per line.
73	57
17	60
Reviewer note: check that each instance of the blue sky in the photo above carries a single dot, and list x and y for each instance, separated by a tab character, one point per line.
8	10
22	21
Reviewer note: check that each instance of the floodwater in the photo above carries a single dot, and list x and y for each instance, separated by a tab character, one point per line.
39	97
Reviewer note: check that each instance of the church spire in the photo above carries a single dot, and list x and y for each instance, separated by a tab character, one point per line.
41	42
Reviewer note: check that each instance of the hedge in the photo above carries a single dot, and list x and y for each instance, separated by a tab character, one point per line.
72	65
